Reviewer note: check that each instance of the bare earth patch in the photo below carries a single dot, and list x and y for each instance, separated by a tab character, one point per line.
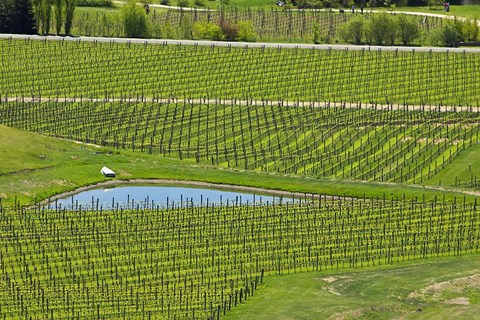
456	286
458	301
332	279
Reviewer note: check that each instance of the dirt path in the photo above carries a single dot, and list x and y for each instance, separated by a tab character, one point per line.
154	5
346	105
239	44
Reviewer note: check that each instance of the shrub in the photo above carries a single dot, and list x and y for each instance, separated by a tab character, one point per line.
229	30
207	30
165	2
200	3
246	31
380	29
407	28
303	4
448	35
183	3
353	30
470	29
95	3
134	20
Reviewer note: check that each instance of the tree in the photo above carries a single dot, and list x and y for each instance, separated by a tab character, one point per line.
58	6
46	15
38	9
17	17
24	20
134	20
407	28
6	16
69	11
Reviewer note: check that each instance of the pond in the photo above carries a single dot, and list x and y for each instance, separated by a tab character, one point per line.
163	196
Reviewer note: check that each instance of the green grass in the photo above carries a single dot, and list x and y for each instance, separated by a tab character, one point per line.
93	11
383	293
461	171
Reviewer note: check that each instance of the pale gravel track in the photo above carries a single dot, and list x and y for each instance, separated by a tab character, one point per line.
155	5
240	44
292	104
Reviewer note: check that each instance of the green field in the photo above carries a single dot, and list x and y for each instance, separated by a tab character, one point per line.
37	167
391	230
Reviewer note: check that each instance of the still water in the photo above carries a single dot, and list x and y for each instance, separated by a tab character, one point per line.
153	196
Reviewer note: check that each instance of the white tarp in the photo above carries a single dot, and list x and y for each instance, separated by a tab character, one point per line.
107	172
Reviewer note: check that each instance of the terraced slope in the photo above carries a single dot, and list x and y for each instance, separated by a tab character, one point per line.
404	146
